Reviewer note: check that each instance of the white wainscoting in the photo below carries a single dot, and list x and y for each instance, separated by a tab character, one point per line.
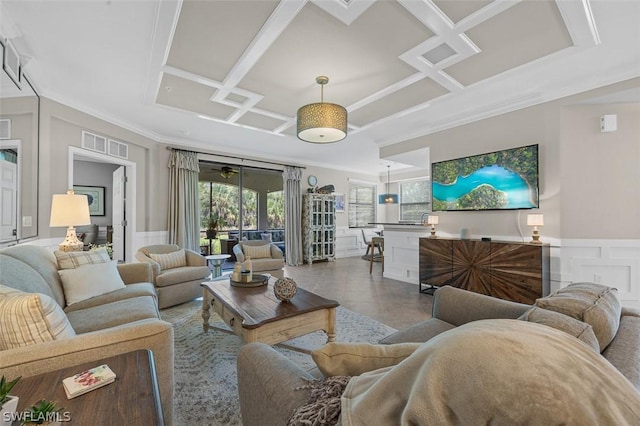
615	263
349	242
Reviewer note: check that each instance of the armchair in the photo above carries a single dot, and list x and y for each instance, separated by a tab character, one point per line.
177	273
272	262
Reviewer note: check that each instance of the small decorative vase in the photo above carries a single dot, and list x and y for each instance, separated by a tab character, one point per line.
8	411
285	288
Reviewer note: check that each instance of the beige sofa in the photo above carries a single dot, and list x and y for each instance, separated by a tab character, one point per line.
273	263
271	387
113	323
175	282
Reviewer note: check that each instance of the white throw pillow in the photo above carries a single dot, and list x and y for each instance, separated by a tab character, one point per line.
30	318
175	259
90	281
257	252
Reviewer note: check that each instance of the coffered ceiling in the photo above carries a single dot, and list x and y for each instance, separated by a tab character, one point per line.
229	76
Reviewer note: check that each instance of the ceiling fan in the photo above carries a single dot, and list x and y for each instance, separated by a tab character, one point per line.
226	172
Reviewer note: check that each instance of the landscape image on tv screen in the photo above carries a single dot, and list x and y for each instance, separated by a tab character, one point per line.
498	180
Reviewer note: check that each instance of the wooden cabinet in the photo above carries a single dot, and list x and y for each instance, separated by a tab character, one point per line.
318	227
508	270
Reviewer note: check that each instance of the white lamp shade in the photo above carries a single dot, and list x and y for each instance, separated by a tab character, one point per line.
69	210
535	219
432	220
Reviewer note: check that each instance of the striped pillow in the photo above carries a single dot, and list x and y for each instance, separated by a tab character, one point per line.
257	252
175	259
30	318
75	259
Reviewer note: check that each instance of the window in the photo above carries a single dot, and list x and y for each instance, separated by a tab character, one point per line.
362	204
414	199
275	210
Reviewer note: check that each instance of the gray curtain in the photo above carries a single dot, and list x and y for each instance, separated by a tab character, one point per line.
184	201
292	215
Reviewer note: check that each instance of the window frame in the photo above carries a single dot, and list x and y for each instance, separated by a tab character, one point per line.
425	204
354	207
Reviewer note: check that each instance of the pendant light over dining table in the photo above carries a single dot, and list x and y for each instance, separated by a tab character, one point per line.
388	198
322	122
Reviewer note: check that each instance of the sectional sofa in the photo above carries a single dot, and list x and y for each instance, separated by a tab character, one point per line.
78	331
573	358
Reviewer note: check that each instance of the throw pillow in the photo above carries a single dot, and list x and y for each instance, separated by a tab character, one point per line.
266	237
175	259
353	359
572	326
595	304
76	259
257	252
30	318
90	281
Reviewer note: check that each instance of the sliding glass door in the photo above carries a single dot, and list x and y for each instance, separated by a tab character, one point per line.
239	202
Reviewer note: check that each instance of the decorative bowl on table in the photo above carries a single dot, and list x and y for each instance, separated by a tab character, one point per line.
257	280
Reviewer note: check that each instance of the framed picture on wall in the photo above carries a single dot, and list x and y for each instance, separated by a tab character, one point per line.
95	195
339	203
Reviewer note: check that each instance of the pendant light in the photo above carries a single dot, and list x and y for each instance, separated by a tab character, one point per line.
388	198
322	122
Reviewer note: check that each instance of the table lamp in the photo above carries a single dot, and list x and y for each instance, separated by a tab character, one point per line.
433	221
70	210
535	220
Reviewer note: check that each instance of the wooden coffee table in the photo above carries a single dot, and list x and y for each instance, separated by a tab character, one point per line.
256	315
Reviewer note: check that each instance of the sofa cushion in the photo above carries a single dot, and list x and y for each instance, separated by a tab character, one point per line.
257	252
30	318
76	259
181	275
90	280
41	271
267	264
353	359
595	304
171	260
129	291
572	326
499	372
113	314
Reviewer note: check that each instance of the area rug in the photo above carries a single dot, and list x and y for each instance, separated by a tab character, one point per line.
206	387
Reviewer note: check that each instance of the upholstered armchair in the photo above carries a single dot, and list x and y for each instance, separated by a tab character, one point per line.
177	272
265	257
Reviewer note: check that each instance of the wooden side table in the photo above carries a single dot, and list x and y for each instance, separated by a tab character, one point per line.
133	399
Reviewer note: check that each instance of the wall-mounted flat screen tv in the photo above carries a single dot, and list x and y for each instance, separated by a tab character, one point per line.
500	180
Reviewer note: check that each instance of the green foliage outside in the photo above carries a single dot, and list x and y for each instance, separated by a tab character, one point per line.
221	201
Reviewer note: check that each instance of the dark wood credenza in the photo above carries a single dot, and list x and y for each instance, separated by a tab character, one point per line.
507	270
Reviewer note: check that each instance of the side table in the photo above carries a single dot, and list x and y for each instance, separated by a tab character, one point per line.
216	261
133	399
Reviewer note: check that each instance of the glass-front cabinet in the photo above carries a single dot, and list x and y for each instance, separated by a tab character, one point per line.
319	227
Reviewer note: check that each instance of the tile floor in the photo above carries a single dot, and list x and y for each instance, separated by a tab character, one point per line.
347	280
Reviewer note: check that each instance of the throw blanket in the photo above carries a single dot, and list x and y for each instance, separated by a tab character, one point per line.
498	372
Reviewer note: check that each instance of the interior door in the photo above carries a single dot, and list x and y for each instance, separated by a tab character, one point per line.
118	213
8	200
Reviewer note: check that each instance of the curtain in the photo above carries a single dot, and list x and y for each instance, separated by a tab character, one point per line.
291	177
184	201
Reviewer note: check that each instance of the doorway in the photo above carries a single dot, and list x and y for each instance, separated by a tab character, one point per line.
124	230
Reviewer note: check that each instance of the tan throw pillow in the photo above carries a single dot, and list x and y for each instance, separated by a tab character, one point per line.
76	259
595	304
353	359
175	259
257	252
30	318
562	322
90	281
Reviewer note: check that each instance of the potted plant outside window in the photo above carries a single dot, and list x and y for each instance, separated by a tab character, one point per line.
212	228
8	403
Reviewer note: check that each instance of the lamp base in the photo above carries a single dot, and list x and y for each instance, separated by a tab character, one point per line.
71	242
433	232
535	237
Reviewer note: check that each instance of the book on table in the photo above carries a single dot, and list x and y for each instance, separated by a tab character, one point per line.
89	380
